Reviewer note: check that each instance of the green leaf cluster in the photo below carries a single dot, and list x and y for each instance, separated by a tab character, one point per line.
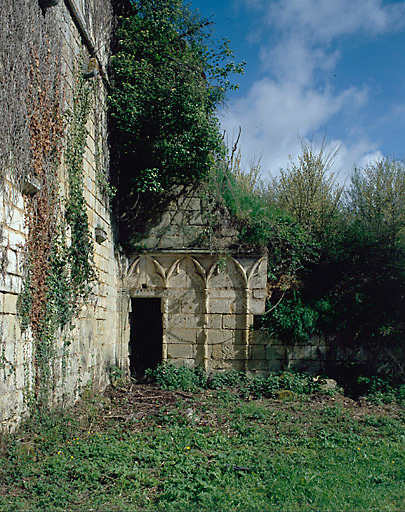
168	77
336	257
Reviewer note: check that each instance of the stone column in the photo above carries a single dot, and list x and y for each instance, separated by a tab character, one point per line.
165	320
246	327
205	328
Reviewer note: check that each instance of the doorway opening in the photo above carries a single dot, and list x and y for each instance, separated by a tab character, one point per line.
145	348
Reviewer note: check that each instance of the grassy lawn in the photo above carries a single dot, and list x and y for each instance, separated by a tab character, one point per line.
139	447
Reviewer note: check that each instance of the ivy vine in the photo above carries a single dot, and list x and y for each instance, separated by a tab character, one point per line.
80	252
60	266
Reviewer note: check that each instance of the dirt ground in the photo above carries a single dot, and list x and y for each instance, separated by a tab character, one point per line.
133	401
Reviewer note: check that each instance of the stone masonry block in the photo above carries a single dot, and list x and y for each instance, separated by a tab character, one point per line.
259	293
185	321
214	322
232	364
257	307
257	365
258	352
218	337
216	352
259	338
304	352
180	336
174	306
224	306
192	306
180	350
275	365
222	293
275	352
10	303
233	351
20	377
234	321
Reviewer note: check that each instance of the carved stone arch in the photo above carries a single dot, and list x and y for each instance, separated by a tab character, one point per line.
133	269
174	269
254	269
140	273
241	272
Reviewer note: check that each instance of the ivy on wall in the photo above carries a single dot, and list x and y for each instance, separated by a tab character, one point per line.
59	249
80	252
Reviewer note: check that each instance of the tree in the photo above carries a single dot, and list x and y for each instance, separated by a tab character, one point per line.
168	77
307	189
376	199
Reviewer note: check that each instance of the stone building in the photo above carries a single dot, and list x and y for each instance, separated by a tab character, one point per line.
78	31
188	294
193	294
179	300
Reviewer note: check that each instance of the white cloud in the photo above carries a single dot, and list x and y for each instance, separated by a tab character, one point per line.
324	20
274	115
294	98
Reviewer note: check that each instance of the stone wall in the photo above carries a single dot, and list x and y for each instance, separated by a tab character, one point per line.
328	355
192	221
84	354
208	304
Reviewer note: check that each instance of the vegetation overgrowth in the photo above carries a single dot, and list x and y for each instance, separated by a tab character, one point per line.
168	76
336	257
140	447
270	385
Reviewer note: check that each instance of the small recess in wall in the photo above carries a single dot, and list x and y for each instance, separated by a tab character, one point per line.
100	234
31	186
90	68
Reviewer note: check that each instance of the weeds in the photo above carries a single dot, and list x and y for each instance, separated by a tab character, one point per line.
281	385
156	450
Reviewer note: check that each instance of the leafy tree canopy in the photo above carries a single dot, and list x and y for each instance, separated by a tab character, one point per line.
169	75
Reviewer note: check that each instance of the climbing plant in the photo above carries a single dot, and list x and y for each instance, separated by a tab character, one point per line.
80	252
41	209
59	249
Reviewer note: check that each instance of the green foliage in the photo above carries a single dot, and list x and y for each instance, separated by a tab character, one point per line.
275	385
239	455
261	224
359	287
354	289
168	76
170	376
308	191
380	390
59	271
80	253
376	200
293	320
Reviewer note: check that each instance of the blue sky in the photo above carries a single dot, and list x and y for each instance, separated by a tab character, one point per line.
315	69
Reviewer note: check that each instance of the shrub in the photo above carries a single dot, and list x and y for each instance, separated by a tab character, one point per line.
169	376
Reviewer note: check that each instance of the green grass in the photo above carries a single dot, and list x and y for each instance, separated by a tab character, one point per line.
144	448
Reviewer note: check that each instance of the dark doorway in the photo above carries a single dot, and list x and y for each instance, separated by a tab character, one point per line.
146	335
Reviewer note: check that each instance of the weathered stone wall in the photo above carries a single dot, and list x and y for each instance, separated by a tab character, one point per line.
319	355
84	354
208	304
192	221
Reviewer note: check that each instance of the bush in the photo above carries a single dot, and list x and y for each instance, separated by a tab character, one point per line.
168	76
380	390
271	385
169	376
